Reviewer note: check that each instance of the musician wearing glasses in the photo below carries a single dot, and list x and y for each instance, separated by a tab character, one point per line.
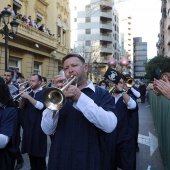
83	127
34	141
8	127
125	145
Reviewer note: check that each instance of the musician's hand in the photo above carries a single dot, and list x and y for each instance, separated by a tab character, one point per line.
58	81
72	92
25	95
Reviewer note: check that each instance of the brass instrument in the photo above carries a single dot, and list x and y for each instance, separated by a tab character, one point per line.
21	84
54	98
18	98
46	84
112	89
129	82
28	89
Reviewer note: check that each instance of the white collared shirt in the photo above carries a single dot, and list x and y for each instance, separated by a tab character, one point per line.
39	105
131	103
104	120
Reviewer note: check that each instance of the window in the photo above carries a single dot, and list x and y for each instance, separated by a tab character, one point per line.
39	17
64	37
17	4
88	31
88	19
88	43
59	30
64	33
14	63
37	68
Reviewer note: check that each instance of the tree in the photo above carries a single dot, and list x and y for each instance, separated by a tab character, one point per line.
156	66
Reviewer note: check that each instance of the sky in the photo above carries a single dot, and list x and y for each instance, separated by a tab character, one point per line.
146	15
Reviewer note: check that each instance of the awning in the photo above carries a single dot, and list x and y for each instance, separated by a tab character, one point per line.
18	3
39	16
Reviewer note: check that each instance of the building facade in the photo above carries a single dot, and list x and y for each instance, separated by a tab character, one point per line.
95	32
126	38
32	50
140	57
163	44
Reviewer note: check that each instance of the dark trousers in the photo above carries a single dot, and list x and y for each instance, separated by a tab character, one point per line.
126	155
142	98
19	157
37	163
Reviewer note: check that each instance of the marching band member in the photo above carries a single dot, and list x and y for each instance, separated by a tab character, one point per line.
125	145
13	88
34	141
82	128
134	115
8	76
8	128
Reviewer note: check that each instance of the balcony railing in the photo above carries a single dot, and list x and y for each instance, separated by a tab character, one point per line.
33	34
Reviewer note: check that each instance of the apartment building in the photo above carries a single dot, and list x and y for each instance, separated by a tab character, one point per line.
94	30
126	41
140	57
32	50
163	44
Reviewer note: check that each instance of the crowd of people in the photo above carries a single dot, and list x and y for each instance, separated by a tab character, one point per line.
29	21
95	127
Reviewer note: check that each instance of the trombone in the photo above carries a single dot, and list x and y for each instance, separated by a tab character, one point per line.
54	98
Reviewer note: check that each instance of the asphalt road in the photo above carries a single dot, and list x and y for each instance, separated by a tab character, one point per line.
148	158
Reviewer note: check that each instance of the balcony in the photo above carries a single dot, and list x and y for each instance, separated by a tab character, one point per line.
104	25
106	38
29	36
106	50
106	4
105	15
35	35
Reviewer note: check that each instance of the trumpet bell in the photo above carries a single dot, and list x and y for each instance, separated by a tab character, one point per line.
129	82
53	98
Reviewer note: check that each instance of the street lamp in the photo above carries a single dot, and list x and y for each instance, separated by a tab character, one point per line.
5	17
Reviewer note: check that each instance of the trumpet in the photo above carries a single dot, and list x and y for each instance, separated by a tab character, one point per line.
112	89
129	82
21	84
54	98
18	96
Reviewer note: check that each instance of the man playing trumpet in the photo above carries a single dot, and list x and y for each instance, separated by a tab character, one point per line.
83	127
34	141
125	142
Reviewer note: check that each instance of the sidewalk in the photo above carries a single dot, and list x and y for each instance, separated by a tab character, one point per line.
149	157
